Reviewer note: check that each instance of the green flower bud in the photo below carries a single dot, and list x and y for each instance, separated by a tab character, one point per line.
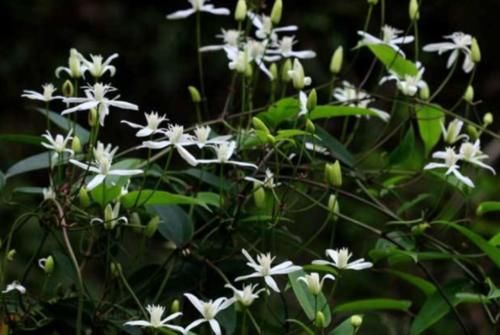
337	60
271	139
488	119
274	71
276	12
74	63
312	100
333	174
319	321
475	51
299	76
414	11
11	254
175	306
310	127
240	13
372	2
424	92
84	197
93	114
152	227
76	145
356	321
469	94
116	269
472	132
287	66
333	206
420	228
259	125
195	94
67	89
259	195
108	217
47	264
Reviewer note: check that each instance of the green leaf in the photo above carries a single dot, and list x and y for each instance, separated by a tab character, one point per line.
487	207
307	300
412	203
2	180
392	60
373	305
29	190
335	147
32	163
429	125
423	285
405	148
151	197
345	328
327	111
22	139
175	224
208	178
111	193
282	110
65	124
492	252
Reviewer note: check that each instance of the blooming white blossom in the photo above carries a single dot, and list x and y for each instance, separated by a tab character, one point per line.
451	159
460	43
256	51
451	134
224	152
268	181
48	193
284	48
153	121
354	97
14	286
263	269
239	60
247	295
314	283
265	29
97	68
96	98
58	143
76	68
407	84
155	318
46	96
340	260
390	37
231	39
208	311
202	137
198	6
471	153
100	151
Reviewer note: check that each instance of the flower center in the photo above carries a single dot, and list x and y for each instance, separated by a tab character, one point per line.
343	258
208	311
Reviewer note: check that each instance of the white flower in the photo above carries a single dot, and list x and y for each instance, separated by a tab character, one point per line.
340	260
450	158
263	269
231	39
472	153
304	111
153	122
75	67
408	85
314	283
15	286
284	47
268	181
265	29
156	321
48	193
256	51
238	59
202	135
354	97
390	37
97	68
104	151
58	144
246	296
46	96
102	167
452	133
224	152
96	98
297	75
460	43
208	311
198	6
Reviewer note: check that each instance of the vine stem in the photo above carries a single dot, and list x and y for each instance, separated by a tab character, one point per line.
200	60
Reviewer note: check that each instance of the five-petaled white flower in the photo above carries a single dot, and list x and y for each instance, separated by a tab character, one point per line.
472	153
224	152
451	159
247	295
231	39
76	68
155	313
198	6
46	96
314	283
58	144
97	68
96	98
153	122
460	43
265	29
407	84
264	269
202	137
208	311
14	286
268	181
451	134
390	37
354	97
340	260
257	53
284	48
101	166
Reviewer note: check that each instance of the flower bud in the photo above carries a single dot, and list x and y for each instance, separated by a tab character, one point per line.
320	321
372	2
287	66
46	264
108	217
195	94
271	139
116	269
76	145
487	119
414	11
424	92
333	206
11	254
310	127
93	114
259	195
84	197
299	76
74	63
420	228
312	100
333	174
152	226
67	89
475	51
469	94
240	12
337	60
472	132
175	306
274	71
259	125
276	12
356	321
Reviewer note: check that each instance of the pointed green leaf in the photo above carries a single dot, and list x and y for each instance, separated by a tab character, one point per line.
175	224
487	207
35	162
405	148
423	285
65	124
337	149
329	111
429	125
392	60
151	197
22	139
282	110
373	305
345	328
